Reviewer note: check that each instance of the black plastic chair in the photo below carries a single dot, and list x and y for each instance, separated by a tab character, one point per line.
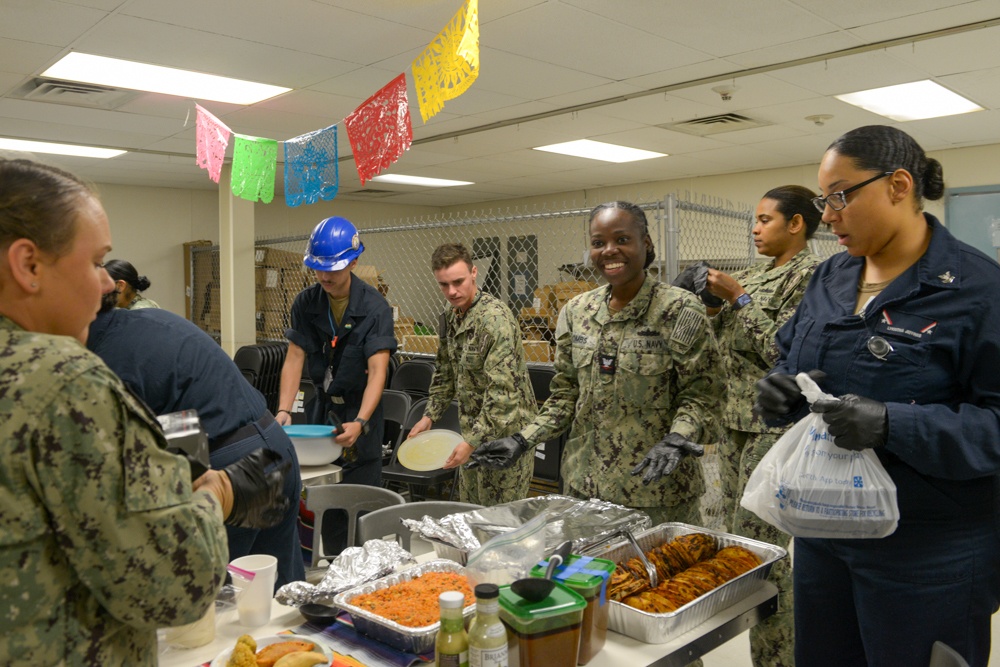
545	475
417	481
413	377
264	360
395	409
391	370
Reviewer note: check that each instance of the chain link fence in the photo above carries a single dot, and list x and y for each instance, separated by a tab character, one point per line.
534	260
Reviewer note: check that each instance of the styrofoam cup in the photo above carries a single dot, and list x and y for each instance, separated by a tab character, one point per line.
254	601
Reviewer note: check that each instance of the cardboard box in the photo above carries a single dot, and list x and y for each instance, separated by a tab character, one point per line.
537	351
371	275
402	330
420	344
267	277
276	258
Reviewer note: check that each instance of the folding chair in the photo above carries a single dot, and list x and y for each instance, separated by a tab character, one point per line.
355	499
421	479
414	377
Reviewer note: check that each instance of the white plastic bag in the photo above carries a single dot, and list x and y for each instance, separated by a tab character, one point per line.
808	487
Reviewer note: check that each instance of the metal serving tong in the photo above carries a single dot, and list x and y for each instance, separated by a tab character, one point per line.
654	578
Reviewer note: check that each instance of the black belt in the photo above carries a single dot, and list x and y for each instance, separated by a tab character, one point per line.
242	432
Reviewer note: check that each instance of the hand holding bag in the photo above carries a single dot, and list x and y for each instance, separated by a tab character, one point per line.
806	486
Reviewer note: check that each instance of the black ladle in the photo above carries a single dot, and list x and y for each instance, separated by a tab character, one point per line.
534	589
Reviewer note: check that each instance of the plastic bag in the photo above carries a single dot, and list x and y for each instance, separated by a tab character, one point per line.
808	487
508	556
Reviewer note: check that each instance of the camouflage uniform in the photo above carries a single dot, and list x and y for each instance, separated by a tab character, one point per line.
101	538
623	381
480	362
746	339
142	302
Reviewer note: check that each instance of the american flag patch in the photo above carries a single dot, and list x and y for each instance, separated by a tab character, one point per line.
687	327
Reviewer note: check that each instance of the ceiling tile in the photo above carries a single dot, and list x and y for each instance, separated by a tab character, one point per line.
851	73
47	21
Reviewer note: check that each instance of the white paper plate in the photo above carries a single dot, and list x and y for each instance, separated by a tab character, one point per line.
428	450
223	658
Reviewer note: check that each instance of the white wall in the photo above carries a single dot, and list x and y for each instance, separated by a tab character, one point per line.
149	225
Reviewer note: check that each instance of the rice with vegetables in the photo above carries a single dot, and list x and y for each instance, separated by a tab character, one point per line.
414	603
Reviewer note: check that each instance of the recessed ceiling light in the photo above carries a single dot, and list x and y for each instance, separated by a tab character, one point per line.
598	150
911	101
58	149
156	79
419	180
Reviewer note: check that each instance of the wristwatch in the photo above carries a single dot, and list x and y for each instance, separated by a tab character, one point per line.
741	301
364	425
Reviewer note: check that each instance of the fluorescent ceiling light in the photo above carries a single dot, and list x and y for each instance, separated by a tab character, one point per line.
57	149
598	150
155	79
418	180
911	101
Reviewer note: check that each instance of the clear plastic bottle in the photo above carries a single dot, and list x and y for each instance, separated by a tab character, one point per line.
487	634
451	647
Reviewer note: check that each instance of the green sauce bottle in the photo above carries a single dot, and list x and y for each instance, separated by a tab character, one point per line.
451	647
487	634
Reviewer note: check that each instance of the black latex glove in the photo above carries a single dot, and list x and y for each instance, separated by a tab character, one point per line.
855	422
258	481
695	280
498	454
779	396
665	456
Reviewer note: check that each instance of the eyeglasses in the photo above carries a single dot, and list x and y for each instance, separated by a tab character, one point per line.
838	200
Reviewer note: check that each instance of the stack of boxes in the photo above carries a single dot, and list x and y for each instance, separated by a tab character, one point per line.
280	276
538	323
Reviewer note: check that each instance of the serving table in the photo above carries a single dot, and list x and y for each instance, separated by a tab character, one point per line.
618	649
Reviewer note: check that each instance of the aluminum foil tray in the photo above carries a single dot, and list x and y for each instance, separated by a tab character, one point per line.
573	519
412	640
661	628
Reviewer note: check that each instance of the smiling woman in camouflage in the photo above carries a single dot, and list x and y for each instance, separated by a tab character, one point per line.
634	382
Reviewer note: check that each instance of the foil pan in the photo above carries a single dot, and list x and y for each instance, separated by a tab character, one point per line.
411	640
661	628
585	522
354	566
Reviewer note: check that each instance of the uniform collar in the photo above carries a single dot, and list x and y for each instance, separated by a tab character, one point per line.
937	268
633	309
461	316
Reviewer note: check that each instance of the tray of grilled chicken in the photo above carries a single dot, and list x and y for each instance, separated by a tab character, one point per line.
675	576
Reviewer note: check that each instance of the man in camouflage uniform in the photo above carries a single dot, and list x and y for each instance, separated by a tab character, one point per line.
481	364
756	303
101	538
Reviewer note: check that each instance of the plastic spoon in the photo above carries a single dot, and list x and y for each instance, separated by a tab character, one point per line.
534	589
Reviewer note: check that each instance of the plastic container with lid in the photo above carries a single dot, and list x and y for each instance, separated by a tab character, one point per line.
546	633
588	577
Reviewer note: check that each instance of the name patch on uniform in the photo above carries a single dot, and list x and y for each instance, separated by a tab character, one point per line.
906	325
583	341
687	327
644	344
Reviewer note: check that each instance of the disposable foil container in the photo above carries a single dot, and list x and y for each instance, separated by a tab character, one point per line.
411	640
661	628
584	522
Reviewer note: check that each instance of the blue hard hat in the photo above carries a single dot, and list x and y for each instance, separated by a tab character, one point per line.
333	245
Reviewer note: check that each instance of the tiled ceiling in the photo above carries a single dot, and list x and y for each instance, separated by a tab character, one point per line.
551	71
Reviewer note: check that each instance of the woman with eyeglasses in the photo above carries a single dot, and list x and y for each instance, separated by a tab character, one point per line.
756	302
906	327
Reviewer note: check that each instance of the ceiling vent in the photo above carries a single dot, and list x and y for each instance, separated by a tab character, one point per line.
724	122
75	94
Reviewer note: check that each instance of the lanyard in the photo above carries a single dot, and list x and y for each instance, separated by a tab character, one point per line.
329	316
